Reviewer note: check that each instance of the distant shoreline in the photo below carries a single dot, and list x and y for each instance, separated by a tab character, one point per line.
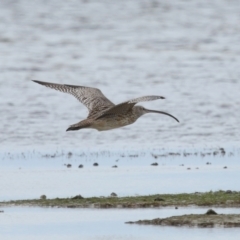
207	199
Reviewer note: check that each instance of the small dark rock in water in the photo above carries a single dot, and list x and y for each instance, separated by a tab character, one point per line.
154	164
211	212
133	155
69	154
176	207
113	194
115	166
95	164
197	168
78	197
43	197
80	166
1	211
159	199
189	168
208	163
225	167
198	193
69	165
215	153
181	165
222	151
229	192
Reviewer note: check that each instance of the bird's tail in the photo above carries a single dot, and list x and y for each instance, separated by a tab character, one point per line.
79	125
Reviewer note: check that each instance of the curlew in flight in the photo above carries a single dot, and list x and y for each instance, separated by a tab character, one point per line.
103	114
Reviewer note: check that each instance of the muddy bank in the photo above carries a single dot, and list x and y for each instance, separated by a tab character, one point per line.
195	220
218	199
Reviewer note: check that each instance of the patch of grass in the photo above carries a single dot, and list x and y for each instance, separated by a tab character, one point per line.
219	198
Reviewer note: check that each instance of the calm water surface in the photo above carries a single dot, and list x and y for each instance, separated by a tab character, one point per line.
47	223
34	175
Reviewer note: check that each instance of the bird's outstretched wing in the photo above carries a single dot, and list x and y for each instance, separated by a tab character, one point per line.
124	107
92	98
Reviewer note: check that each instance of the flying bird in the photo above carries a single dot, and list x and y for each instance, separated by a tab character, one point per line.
103	114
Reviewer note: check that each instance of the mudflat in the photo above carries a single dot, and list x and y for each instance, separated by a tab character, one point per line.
218	199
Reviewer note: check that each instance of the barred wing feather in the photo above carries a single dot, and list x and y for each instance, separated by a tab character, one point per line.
92	98
124	107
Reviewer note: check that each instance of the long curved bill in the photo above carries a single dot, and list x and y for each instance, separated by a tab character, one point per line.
154	111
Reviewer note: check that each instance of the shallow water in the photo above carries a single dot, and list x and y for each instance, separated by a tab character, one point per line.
34	175
51	223
185	51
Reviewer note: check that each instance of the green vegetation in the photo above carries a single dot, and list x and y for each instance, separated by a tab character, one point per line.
219	198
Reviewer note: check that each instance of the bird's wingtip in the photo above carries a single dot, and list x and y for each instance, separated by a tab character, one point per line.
36	81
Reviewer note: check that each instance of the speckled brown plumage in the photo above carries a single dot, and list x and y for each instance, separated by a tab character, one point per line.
103	114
